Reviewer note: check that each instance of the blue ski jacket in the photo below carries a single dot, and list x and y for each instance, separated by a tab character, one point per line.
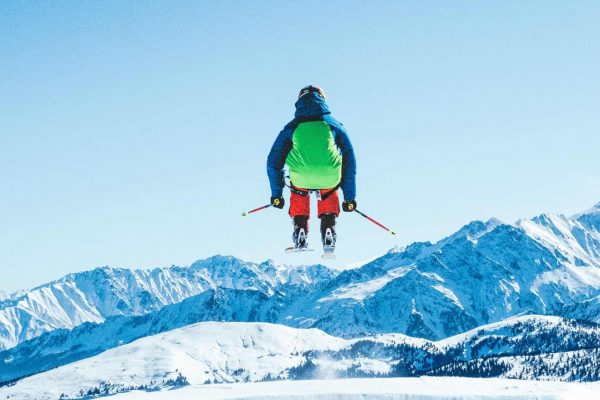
311	108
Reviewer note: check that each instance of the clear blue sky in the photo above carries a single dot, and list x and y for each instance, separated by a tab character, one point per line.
135	133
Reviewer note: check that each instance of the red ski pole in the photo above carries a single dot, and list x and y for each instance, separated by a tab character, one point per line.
245	214
391	231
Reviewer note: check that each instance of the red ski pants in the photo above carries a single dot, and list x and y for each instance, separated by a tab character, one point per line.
300	205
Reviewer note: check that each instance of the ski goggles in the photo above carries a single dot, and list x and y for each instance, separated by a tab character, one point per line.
311	89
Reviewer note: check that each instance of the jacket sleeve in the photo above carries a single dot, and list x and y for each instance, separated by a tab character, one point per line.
276	159
348	183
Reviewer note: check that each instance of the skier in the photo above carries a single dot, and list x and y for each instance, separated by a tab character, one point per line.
320	158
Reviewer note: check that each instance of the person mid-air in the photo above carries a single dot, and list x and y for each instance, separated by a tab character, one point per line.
320	158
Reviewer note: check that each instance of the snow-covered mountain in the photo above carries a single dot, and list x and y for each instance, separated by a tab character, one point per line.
93	296
484	273
63	346
576	239
519	347
212	352
201	353
588	310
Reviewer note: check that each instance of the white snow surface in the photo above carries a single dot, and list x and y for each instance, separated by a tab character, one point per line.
379	389
203	352
218	352
568	236
361	290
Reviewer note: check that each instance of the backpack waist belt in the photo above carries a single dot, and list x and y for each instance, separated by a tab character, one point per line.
324	196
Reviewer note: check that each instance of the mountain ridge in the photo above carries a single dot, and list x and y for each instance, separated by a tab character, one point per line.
485	272
94	295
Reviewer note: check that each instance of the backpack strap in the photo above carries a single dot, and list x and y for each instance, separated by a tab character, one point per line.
330	192
301	192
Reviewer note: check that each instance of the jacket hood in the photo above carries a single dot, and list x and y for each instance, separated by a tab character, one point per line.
311	105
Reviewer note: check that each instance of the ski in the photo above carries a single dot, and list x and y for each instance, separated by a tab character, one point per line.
297	249
328	252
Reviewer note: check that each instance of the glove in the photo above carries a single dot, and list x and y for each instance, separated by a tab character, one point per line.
349	205
277	202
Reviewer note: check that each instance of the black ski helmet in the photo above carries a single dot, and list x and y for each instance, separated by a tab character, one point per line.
312	89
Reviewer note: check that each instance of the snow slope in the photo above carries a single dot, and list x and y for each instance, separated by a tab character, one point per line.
379	389
576	238
210	352
200	353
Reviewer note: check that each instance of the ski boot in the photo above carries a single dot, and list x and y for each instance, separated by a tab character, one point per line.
328	235
299	235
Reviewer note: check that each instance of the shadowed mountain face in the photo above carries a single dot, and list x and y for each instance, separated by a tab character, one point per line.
485	272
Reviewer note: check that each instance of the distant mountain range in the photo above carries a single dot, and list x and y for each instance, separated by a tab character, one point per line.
93	296
485	273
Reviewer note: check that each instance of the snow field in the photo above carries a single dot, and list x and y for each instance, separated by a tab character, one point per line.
380	389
